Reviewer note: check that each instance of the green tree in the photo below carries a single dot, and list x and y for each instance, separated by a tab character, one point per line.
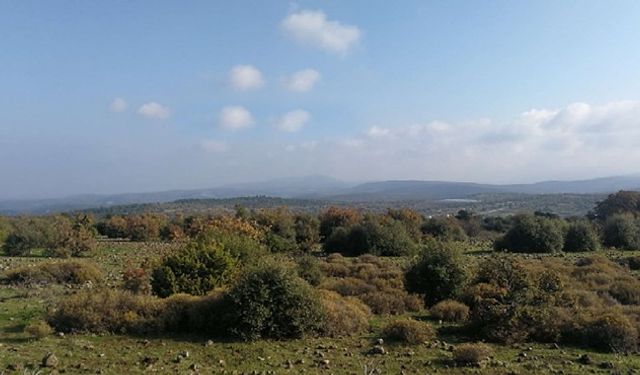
438	274
581	236
533	234
622	231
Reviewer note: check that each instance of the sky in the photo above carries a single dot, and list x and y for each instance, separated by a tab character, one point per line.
133	96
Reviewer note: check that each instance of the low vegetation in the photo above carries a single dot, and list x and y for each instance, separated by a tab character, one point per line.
396	279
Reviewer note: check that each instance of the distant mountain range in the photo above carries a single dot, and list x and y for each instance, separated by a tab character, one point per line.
329	189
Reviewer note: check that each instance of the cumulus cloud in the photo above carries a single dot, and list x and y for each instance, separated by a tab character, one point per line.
213	146
118	105
235	118
293	121
245	77
154	110
303	80
311	27
576	141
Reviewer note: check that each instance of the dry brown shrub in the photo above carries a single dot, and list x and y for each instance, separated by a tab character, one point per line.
62	272
450	311
38	329
349	286
408	331
471	354
385	302
344	316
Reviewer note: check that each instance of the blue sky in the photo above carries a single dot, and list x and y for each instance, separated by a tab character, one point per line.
121	96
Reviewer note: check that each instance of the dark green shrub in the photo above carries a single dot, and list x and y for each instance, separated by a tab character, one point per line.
438	274
533	234
444	229
308	268
196	269
271	301
409	331
581	236
622	231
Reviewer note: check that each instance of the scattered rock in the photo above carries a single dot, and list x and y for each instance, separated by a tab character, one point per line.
585	359
606	365
377	349
50	360
208	343
194	367
379	341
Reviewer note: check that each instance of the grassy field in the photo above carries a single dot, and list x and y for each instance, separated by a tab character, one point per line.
117	354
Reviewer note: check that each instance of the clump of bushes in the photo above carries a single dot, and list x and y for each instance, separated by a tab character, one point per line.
343	316
438	274
408	331
471	354
375	281
271	301
450	311
62	272
105	311
197	269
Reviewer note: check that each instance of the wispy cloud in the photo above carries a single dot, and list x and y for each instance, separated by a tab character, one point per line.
118	105
293	121
303	80
154	110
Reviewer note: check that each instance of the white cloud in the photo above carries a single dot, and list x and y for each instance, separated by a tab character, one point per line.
235	118
213	146
293	121
303	80
377	131
245	77
311	27
154	110
118	105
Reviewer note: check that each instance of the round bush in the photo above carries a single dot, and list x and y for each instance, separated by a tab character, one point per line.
271	301
344	316
439	273
581	237
471	354
196	269
612	333
533	234
450	311
408	331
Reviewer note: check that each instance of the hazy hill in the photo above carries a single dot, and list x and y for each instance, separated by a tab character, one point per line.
329	189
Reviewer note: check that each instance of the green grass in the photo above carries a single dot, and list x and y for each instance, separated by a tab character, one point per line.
115	354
